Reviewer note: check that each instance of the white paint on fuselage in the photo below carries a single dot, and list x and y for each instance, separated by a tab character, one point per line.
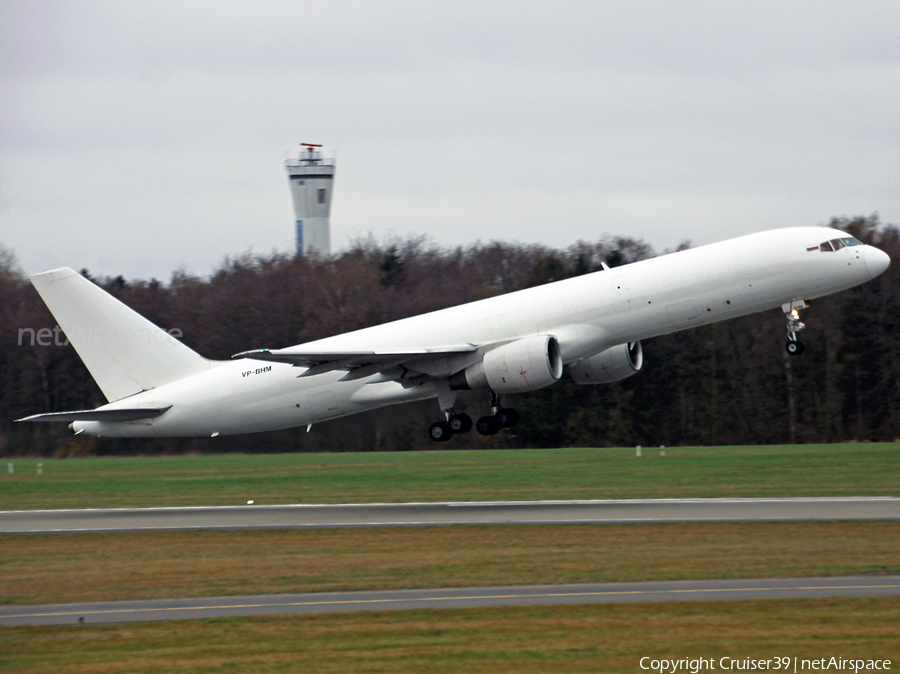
587	314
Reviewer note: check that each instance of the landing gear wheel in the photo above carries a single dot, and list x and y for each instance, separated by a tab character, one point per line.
440	431
460	423
507	417
794	348
487	425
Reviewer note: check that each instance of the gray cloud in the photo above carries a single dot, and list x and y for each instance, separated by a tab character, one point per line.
136	138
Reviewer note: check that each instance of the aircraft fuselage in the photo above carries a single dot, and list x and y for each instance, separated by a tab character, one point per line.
586	315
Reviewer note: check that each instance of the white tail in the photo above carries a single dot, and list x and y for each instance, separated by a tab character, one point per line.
124	352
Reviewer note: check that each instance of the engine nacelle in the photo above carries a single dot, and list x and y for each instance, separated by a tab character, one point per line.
525	365
608	366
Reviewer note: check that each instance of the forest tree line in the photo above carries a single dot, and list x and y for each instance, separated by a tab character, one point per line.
728	383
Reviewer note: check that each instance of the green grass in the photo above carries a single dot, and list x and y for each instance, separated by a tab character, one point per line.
578	473
39	569
592	638
608	638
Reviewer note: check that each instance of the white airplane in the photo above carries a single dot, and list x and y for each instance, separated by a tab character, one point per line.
588	328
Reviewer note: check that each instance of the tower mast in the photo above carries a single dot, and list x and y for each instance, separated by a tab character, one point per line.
311	179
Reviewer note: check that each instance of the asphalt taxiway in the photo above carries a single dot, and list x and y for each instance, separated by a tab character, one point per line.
425	514
466	597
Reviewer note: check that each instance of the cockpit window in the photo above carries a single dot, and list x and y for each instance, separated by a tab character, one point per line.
837	244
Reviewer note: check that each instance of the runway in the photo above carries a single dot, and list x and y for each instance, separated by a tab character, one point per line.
427	514
467	597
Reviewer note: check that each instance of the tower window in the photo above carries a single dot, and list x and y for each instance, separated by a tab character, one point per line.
321	195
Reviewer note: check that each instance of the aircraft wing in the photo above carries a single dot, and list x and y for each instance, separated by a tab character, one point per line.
351	359
100	415
358	363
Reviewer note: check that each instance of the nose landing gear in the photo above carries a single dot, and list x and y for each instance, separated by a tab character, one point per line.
794	346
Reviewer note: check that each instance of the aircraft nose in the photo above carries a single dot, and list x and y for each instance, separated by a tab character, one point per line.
876	261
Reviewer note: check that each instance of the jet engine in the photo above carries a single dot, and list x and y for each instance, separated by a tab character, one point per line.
524	365
608	366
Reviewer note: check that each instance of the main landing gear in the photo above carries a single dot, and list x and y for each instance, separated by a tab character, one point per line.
794	346
441	431
500	417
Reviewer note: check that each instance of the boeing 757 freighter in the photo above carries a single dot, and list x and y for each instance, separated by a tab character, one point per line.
588	328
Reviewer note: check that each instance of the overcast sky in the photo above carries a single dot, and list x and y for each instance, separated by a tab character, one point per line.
143	137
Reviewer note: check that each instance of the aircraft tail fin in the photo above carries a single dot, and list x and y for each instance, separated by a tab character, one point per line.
124	352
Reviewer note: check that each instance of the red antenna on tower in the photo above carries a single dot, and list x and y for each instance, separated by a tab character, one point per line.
312	155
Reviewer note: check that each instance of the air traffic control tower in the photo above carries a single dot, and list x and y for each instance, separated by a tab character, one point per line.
311	179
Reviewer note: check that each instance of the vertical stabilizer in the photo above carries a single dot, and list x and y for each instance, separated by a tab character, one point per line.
124	352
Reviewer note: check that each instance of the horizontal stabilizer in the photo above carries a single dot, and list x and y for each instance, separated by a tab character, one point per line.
100	415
